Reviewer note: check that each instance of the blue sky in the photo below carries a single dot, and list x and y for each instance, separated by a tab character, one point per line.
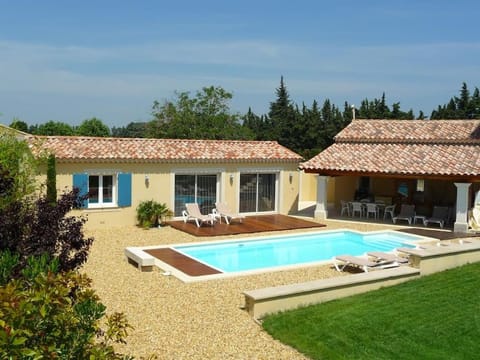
72	60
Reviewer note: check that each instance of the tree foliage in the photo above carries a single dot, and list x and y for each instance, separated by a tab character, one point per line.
378	109
465	106
47	314
51	128
93	127
51	179
132	130
47	309
18	124
17	169
205	116
34	229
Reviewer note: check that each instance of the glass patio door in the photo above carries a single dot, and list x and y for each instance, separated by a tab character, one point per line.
257	192
200	189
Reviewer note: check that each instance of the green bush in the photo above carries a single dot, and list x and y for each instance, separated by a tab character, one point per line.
151	213
8	263
56	315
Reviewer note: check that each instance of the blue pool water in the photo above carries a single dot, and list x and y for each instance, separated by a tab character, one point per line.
234	256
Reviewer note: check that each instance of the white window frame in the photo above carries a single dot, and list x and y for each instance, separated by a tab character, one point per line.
101	203
218	172
276	172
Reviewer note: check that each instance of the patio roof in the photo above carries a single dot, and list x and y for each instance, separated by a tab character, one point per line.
441	149
98	149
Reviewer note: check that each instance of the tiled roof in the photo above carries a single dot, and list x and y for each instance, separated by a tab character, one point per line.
96	149
444	148
411	131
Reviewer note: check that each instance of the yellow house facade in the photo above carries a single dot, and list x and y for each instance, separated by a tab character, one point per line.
252	177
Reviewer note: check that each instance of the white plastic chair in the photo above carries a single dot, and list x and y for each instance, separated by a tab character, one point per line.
372	209
389	210
357	208
345	208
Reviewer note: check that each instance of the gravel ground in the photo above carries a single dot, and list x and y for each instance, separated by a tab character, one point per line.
174	320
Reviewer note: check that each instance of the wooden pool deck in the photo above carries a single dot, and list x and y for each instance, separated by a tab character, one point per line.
251	224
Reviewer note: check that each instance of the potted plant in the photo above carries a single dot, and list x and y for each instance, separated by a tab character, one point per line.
151	213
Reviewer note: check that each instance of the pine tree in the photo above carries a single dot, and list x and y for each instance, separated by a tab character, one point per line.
283	118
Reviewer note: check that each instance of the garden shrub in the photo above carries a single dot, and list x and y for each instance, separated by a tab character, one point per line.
45	228
152	213
56	315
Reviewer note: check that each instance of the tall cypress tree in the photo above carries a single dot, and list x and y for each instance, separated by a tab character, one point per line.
51	180
283	118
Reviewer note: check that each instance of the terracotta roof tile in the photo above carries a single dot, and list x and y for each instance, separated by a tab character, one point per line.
74	148
402	147
414	131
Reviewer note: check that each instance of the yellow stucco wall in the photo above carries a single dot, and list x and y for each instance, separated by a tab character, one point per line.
160	185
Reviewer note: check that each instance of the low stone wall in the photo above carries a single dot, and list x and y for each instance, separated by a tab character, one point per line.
422	262
445	255
261	302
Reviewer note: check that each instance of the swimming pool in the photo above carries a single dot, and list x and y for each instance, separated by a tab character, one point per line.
296	249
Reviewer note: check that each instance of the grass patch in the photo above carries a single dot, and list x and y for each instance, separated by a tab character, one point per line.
434	317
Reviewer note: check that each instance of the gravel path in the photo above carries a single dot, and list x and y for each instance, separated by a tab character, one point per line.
174	320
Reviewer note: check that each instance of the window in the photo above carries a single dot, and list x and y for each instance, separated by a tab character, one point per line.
420	185
101	191
195	188
104	190
257	192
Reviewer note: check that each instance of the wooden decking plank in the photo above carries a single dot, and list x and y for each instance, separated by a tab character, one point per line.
182	262
250	224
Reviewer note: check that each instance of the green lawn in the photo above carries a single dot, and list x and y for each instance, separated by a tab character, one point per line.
435	317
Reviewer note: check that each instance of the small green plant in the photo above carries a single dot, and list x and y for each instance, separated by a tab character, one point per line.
151	213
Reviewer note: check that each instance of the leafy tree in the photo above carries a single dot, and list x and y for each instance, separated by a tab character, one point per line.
206	116
17	166
20	125
51	128
93	127
132	130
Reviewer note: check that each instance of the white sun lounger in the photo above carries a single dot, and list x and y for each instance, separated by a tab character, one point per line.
388	257
222	209
192	212
362	263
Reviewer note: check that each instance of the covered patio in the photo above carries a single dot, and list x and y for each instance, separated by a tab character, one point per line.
425	163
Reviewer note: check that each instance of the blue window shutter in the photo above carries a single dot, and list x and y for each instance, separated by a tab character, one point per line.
80	181
124	189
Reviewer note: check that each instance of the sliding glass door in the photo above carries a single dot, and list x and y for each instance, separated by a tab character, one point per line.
193	188
257	192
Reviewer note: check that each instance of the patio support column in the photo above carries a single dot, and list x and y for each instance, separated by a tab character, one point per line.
461	221
321	206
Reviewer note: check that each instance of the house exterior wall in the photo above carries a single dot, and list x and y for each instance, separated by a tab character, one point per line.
308	189
161	185
345	187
